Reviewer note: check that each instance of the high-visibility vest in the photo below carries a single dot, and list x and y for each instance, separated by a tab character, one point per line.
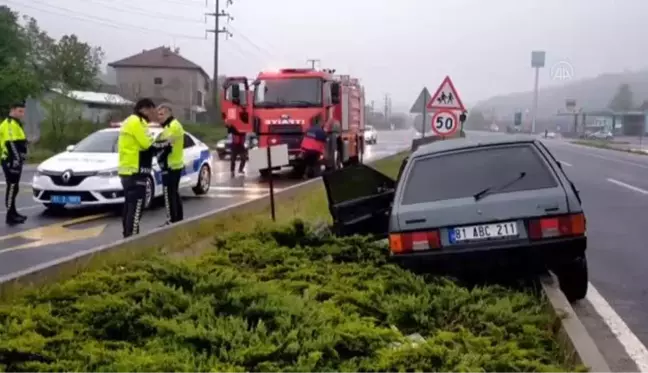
134	147
13	143
314	140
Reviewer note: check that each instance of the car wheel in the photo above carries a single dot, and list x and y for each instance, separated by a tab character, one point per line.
265	173
573	279
149	196
204	181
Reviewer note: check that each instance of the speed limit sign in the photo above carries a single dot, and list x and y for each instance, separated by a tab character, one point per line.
444	123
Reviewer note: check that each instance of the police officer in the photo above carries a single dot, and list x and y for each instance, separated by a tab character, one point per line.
237	147
13	152
136	149
171	161
313	146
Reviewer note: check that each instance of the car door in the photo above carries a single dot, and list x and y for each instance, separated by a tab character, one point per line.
191	154
360	200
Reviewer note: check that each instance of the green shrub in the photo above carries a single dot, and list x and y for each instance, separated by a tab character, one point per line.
274	300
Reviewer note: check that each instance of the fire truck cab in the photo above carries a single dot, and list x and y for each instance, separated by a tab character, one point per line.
281	106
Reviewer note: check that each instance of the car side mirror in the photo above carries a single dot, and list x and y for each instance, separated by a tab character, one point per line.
335	93
69	148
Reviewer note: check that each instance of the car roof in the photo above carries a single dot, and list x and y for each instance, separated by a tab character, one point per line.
116	129
469	142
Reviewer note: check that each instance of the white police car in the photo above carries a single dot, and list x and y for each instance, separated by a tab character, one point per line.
86	173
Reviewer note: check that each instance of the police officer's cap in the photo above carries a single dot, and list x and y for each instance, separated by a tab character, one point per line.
18	105
144	103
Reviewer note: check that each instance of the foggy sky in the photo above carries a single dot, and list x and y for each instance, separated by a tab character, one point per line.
394	47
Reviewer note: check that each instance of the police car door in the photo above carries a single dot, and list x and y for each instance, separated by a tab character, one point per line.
191	162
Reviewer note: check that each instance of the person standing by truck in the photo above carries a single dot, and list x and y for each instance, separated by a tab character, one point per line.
237	146
313	146
13	152
171	161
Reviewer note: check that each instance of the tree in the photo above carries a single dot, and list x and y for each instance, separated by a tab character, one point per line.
16	81
475	120
623	100
75	63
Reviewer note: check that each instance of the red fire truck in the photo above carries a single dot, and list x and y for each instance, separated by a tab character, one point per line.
285	103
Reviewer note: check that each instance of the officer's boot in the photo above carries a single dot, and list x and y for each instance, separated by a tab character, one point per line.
13	217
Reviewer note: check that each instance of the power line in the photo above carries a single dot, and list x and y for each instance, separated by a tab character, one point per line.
68	13
218	13
147	12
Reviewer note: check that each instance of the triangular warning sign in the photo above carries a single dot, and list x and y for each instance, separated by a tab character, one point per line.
421	101
446	97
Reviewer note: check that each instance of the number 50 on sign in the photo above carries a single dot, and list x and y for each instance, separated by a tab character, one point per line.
444	123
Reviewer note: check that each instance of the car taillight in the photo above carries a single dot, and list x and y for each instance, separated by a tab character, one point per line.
557	226
400	243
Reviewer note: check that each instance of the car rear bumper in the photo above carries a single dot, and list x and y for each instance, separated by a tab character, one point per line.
542	255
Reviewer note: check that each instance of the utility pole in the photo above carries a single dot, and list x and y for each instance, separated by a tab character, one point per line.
386	109
313	62
218	13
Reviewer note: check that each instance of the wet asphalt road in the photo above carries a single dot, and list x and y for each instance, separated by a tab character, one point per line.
47	236
614	190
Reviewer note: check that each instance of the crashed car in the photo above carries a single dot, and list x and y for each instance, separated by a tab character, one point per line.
469	205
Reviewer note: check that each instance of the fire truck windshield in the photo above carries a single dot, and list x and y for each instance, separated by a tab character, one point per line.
292	92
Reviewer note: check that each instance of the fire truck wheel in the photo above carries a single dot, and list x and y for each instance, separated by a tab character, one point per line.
265	173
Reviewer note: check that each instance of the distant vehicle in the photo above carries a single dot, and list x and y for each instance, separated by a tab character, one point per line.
507	201
370	135
601	135
223	148
494	128
86	173
550	135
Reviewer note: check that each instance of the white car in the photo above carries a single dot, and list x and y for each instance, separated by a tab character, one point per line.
86	173
370	135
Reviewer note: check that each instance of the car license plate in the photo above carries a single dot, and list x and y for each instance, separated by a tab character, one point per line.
483	232
66	200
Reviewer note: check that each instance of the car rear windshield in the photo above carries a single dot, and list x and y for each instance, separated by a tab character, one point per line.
98	142
465	173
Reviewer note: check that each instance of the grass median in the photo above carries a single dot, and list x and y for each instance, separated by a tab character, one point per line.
263	296
611	145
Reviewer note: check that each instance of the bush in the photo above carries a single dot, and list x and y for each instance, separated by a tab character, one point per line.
274	300
210	134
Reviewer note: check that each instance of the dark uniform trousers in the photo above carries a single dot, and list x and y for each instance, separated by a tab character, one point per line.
134	195
311	161
172	200
238	150
12	173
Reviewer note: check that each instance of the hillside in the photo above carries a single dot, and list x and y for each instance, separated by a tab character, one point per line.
591	94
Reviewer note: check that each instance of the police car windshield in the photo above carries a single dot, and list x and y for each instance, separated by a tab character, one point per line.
98	142
282	93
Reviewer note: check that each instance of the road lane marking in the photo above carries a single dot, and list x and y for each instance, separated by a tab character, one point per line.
4	212
565	163
24	183
623	161
244	188
628	186
632	345
56	233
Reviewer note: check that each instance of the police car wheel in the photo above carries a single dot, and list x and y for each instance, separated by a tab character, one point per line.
204	180
150	193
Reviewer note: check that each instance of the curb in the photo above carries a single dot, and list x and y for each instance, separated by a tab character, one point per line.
576	343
